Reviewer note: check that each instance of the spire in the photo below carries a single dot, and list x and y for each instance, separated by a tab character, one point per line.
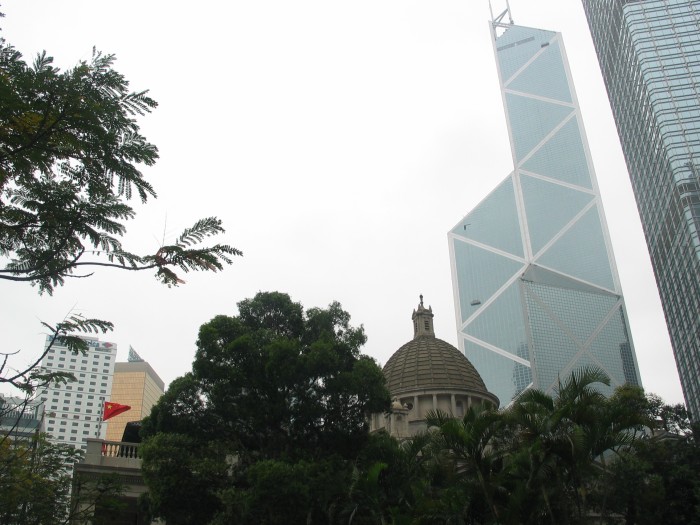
423	321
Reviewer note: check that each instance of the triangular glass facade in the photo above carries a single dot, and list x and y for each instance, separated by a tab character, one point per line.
536	288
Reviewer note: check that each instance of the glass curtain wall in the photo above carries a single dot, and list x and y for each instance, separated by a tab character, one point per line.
649	53
536	289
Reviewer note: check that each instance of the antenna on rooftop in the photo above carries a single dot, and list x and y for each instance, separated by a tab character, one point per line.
498	20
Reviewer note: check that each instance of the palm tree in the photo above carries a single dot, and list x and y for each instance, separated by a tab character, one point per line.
471	446
532	472
391	481
542	459
560	444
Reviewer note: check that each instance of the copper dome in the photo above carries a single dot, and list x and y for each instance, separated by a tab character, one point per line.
430	363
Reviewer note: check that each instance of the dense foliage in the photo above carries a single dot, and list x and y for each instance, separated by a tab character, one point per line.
35	484
266	426
572	458
230	444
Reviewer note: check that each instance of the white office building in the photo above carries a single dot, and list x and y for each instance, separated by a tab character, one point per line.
73	410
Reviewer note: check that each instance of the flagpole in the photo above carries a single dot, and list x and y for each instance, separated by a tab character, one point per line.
99	425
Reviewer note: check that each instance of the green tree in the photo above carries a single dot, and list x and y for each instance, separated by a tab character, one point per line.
71	159
557	448
71	154
35	484
473	449
410	481
274	391
545	458
562	446
657	478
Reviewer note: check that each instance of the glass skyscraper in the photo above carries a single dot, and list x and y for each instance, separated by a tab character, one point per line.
536	289
649	53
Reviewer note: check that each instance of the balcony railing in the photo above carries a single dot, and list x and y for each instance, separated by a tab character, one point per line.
112	453
118	449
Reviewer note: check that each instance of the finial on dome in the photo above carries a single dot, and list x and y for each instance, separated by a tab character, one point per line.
423	320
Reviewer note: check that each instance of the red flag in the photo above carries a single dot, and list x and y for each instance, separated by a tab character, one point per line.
113	409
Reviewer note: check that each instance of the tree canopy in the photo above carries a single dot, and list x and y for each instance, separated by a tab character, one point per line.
35	484
71	155
269	428
275	393
573	457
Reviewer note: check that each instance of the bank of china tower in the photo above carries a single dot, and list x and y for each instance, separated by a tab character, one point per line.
537	294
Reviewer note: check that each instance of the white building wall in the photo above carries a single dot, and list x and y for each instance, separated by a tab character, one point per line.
73	410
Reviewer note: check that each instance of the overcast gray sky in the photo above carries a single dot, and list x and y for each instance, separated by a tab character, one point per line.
339	141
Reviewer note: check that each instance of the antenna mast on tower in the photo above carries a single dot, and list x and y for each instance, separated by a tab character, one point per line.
497	21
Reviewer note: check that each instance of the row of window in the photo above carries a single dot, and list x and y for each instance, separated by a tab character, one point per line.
74	360
56	395
77	395
95	356
87	411
59	429
83	368
56	389
80	389
63	431
87	418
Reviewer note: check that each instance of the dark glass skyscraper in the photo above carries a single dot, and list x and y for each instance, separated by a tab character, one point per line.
649	53
536	289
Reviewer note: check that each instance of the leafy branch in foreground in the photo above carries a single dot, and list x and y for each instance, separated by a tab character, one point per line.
71	155
32	376
180	254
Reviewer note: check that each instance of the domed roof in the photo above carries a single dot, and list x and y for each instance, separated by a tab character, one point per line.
427	362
